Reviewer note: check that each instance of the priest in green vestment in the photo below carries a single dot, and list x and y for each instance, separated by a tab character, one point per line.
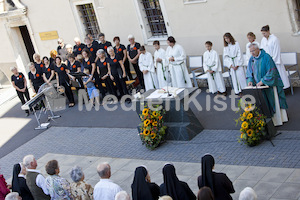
261	71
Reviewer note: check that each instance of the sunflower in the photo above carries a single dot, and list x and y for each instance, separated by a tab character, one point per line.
146	122
249	116
155	114
145	112
242	135
245	125
250	132
154	123
153	135
146	132
245	114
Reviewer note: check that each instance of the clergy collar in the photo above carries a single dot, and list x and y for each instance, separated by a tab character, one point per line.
258	54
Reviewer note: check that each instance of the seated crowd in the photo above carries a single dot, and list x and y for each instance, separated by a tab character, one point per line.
29	184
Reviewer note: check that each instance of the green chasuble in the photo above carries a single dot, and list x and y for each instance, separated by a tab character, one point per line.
263	68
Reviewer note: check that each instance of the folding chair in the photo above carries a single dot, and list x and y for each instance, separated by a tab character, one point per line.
289	61
195	66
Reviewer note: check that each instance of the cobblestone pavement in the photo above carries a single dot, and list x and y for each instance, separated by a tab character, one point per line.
125	143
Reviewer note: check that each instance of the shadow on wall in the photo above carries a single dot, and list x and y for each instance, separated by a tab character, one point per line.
5	73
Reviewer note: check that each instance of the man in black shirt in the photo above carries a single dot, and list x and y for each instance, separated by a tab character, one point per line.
103	43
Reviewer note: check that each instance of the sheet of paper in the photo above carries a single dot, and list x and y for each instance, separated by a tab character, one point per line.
254	87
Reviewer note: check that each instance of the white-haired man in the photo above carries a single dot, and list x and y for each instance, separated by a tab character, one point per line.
122	196
35	180
78	47
105	189
13	196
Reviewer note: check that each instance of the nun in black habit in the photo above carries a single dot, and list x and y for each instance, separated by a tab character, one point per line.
142	188
19	182
219	183
173	187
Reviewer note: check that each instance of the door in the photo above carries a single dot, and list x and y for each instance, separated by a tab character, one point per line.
27	42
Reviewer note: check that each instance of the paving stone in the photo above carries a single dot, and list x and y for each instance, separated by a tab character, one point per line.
254	173
294	177
266	189
288	191
277	175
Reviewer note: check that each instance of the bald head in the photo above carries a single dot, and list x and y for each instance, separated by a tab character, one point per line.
103	170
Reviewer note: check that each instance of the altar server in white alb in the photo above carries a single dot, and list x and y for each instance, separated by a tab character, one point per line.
162	69
251	38
176	57
233	59
212	67
271	44
147	67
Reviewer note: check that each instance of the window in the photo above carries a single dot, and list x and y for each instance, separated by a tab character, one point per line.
89	19
193	1
155	17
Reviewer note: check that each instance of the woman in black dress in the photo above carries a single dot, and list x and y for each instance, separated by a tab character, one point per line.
120	50
38	62
133	53
142	188
173	187
88	63
117	70
48	70
219	183
19	182
20	84
35	77
101	64
63	79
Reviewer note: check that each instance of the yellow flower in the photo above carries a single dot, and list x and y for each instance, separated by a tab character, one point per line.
242	135
153	135
145	111
155	114
241	130
249	116
146	132
154	123
244	114
250	132
146	122
245	125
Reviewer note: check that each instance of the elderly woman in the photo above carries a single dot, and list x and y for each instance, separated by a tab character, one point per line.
38	62
62	49
101	64
58	187
248	194
133	54
13	196
80	189
19	82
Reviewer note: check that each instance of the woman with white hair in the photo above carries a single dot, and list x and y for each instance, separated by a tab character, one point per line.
61	49
78	47
39	65
104	72
117	71
69	48
13	196
248	194
80	189
133	53
19	82
123	195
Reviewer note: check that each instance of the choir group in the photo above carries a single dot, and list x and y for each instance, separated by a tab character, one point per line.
108	68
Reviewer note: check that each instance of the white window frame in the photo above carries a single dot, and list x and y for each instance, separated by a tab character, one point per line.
187	2
80	26
294	17
148	39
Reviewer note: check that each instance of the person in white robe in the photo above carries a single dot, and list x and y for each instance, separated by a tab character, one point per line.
212	67
176	59
251	38
162	69
147	67
271	44
233	60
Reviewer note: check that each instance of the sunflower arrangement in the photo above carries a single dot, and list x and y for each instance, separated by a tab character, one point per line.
252	123
152	129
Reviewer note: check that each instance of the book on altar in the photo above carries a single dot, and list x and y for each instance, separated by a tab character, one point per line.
256	87
165	92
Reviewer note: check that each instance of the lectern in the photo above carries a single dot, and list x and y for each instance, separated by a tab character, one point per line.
261	103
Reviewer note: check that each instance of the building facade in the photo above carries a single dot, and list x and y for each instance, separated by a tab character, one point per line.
29	26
